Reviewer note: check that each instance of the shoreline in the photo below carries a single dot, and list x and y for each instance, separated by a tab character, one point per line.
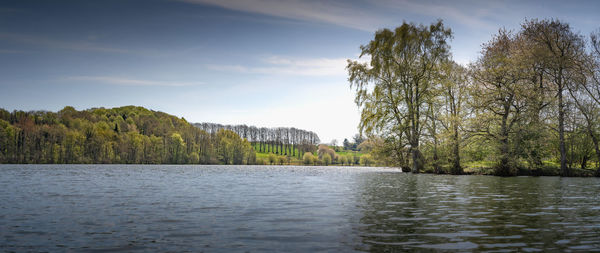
480	172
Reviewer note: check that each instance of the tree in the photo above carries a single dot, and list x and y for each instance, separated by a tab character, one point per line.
560	50
326	159
272	158
498	97
324	149
454	90
282	160
586	95
89	136
402	69
366	160
176	146
358	139
347	144
308	158
279	140
343	160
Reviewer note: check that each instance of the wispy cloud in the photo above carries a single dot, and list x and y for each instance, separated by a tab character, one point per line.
70	45
278	65
473	16
111	80
368	15
341	13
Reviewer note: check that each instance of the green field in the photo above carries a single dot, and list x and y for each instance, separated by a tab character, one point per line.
297	159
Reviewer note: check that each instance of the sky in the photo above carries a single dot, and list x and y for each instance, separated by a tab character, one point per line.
267	63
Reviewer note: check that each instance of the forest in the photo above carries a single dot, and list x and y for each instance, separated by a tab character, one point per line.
280	141
134	135
529	105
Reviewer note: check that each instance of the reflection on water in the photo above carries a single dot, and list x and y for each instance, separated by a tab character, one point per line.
107	208
479	213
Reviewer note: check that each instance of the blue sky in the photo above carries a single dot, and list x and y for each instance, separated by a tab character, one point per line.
257	62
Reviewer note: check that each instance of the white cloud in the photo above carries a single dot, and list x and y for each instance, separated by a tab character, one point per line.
369	15
126	81
473	16
278	65
331	12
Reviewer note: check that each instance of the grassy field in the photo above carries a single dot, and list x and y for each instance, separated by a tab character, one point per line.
294	160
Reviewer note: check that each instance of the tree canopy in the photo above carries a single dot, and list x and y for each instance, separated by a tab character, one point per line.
528	103
119	135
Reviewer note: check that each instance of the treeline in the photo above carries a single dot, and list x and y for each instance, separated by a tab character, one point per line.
281	140
354	146
119	135
529	104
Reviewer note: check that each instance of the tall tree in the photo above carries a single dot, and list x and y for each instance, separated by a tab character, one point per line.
499	97
560	50
402	66
454	93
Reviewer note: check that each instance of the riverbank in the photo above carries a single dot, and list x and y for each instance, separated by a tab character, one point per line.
548	169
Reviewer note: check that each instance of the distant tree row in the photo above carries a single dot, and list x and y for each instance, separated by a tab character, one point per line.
280	140
119	135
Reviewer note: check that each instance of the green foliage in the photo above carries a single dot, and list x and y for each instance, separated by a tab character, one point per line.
283	160
532	97
231	149
343	160
395	86
366	160
261	161
326	159
324	149
273	158
119	135
308	158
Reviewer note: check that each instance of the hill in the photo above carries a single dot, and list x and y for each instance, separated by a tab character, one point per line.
126	134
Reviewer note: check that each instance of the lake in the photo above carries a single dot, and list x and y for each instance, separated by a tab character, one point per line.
108	208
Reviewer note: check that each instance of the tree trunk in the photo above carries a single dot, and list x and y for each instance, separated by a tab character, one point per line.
416	157
584	160
436	164
456	169
596	147
564	170
416	154
504	167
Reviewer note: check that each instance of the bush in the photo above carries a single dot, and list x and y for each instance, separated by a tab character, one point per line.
282	160
308	158
343	160
326	159
366	160
272	158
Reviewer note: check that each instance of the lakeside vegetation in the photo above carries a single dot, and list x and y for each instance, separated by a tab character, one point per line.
136	135
529	105
119	135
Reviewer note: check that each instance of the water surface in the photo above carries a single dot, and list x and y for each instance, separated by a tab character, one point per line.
108	208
